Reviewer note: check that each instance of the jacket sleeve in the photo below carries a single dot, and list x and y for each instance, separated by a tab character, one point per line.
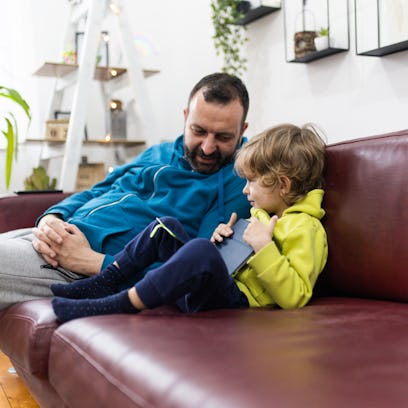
290	274
67	207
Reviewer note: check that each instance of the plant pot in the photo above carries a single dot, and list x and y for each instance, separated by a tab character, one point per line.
243	7
321	43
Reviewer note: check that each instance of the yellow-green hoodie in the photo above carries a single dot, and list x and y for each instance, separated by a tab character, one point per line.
285	271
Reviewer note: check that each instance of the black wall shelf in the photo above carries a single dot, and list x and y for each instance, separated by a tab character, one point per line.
255	14
389	49
312	56
303	22
371	23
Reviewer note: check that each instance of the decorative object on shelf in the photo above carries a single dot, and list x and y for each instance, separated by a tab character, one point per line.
56	130
304	43
228	37
322	39
10	131
61	118
102	57
257	10
271	3
39	180
381	27
303	37
69	56
89	174
243	7
116	120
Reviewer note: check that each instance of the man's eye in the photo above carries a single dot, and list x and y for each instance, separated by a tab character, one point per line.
225	138
198	131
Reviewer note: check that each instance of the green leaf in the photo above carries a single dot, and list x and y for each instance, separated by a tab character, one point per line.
9	134
228	38
17	98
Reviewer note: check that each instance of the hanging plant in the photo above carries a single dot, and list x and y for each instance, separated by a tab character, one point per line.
10	130
228	37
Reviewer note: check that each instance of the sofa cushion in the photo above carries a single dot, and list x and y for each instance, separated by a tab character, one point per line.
366	202
28	327
328	354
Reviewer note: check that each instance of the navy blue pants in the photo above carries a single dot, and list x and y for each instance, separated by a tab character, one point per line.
193	275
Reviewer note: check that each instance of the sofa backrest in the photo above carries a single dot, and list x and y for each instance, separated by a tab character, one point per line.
366	220
21	211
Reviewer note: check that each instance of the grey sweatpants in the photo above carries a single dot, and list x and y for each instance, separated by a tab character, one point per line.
22	272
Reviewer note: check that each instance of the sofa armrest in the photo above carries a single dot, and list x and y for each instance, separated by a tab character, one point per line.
22	210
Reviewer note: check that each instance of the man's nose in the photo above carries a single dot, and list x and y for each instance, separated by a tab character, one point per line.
209	144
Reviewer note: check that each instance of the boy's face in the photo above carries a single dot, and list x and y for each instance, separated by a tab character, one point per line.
212	133
268	198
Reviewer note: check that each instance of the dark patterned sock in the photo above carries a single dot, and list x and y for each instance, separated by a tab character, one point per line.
68	309
104	284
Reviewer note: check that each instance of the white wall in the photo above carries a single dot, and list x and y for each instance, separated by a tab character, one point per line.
349	96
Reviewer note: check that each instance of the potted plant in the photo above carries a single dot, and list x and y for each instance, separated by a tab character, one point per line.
39	181
322	39
9	128
228	37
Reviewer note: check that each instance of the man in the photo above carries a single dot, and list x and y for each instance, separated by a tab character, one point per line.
191	179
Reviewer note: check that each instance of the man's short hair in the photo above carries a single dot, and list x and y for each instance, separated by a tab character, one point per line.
222	88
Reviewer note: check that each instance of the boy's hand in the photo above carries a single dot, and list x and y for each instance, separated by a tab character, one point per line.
258	234
224	230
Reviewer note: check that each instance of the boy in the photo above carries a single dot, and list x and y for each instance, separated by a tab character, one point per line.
283	167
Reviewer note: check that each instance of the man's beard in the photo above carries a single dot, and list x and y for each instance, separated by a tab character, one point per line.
191	156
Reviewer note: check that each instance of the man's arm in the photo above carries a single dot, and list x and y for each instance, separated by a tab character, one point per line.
51	230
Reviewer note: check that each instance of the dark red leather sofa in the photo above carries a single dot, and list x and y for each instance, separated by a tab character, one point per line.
347	348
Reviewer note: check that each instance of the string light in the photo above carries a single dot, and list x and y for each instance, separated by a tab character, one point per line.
114	7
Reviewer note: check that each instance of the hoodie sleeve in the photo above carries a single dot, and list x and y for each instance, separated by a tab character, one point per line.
289	274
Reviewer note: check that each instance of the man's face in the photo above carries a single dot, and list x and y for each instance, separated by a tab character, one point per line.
212	133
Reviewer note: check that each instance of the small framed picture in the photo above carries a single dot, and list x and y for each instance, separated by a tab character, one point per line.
61	114
102	56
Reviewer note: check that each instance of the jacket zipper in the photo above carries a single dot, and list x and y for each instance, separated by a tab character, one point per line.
130	194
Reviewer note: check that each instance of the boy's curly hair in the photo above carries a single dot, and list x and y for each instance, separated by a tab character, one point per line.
285	150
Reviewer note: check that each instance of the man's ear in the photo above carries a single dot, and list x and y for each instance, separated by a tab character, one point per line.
244	128
285	185
185	113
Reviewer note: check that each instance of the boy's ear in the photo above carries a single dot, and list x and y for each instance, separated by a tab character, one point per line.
285	185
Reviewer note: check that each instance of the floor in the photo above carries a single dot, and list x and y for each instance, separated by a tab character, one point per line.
13	393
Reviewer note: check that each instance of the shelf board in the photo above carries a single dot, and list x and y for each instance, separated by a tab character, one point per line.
59	70
255	14
125	142
389	49
312	56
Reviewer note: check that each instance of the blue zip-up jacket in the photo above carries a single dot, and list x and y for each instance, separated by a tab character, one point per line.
158	182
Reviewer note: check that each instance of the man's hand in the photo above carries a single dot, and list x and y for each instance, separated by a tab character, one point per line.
258	234
63	244
75	253
50	231
224	230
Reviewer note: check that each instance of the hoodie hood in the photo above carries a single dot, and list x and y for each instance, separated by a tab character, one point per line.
310	204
